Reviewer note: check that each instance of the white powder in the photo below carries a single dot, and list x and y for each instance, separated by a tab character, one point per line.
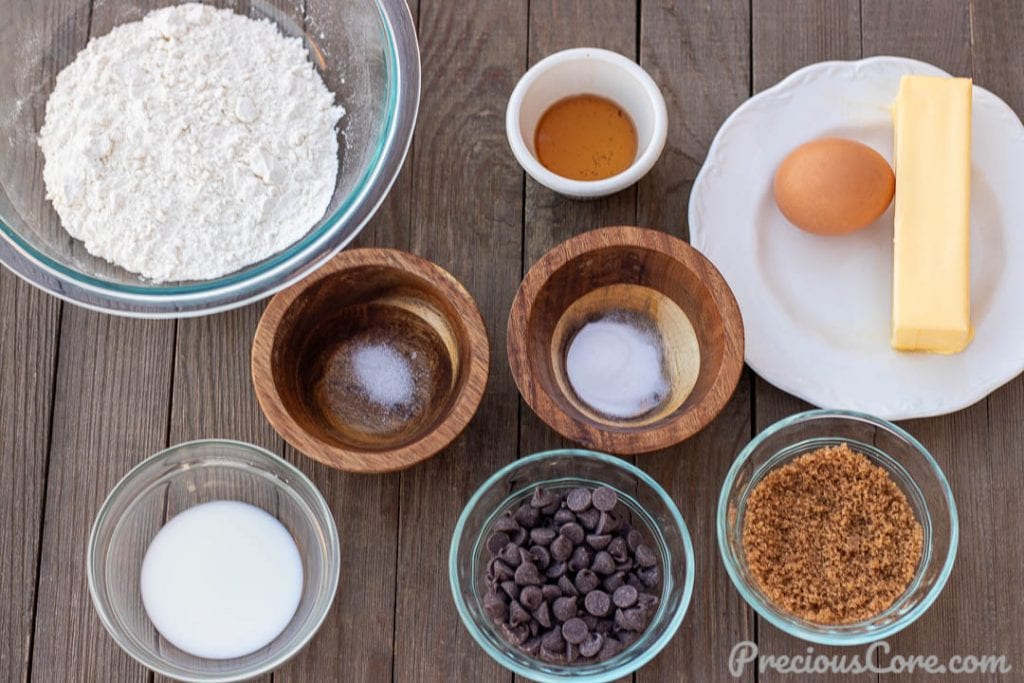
190	144
384	374
616	368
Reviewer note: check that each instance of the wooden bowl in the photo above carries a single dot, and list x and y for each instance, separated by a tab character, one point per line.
662	283
303	367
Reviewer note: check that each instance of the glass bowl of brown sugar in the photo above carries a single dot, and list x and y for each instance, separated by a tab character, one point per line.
837	527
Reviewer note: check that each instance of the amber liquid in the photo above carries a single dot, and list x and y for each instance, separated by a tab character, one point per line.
585	137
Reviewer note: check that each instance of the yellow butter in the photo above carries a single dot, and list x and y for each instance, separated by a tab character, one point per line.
931	252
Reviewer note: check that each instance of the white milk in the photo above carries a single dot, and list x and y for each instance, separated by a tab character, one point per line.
221	579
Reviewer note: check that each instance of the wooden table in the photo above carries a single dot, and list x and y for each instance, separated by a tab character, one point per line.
84	397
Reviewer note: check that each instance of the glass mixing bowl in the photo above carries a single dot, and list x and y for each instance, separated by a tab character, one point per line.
179	478
909	465
651	510
367	54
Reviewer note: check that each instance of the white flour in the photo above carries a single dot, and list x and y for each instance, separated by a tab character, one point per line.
190	144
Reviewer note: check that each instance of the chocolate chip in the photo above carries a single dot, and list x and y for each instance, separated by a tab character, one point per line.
525	555
598	541
614	582
627	638
517	614
555	570
543	615
511	589
646	557
581	558
564	516
540	556
531	646
604	498
527	515
609	649
516	635
588	518
631	619
648	601
528	575
586	581
564	608
606	523
624	567
650	576
553	657
604	626
531	597
572	653
574	631
567	587
603	563
634	538
590	620
494	605
534	627
550	592
502	571
561	549
517	536
553	640
625	596
572	531
592	645
497	541
578	500
618	550
542	535
506	523
597	603
542	498
635	582
510	555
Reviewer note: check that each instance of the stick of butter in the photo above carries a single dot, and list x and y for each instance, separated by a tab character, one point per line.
931	269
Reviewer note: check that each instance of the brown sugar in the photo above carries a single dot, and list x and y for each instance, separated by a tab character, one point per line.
830	537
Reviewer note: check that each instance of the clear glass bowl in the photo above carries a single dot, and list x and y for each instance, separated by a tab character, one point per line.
652	512
367	53
184	476
910	466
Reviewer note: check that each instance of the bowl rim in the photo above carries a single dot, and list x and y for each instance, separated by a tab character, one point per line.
282	269
675	427
753	597
643	658
587	188
462	409
136	472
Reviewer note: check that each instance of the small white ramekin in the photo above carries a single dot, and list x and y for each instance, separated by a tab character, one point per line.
591	71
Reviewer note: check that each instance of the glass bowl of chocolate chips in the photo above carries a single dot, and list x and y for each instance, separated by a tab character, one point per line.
571	564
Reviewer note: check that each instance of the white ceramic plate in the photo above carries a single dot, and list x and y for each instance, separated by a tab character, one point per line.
817	309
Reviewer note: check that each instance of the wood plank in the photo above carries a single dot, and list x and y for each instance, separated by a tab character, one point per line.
113	383
699	54
997	53
29	330
366	512
29	322
467	218
787	36
962	620
549	217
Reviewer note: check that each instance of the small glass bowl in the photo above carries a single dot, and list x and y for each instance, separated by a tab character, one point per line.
179	478
910	466
653	513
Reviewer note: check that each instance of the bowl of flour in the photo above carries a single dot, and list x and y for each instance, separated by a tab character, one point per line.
191	159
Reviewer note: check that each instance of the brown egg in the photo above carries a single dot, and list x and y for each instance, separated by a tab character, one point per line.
832	186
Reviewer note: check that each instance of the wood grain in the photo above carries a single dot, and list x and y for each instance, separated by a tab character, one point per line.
698	53
467	218
787	36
